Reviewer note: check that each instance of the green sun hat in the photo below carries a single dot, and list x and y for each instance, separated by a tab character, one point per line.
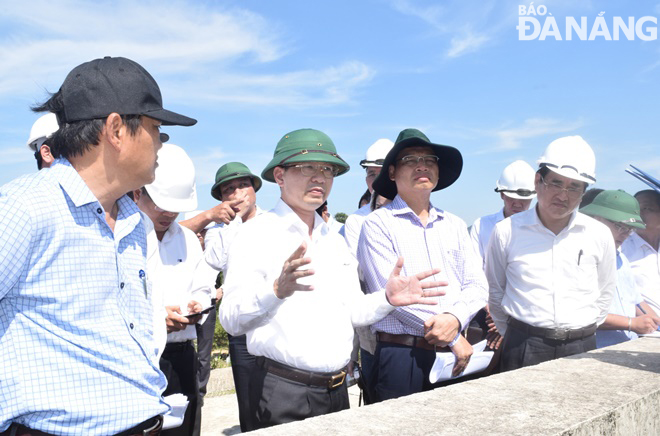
304	145
450	162
617	206
231	171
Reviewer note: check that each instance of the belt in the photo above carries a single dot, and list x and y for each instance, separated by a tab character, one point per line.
174	347
310	378
150	427
409	341
554	334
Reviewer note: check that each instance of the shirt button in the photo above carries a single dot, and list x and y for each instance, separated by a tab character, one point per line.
121	285
131	326
99	210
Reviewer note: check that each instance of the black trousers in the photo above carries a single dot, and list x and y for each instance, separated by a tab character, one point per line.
179	364
520	349
243	367
277	400
205	334
399	370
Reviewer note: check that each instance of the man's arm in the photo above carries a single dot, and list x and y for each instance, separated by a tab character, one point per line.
352	229
15	241
496	264
225	212
217	242
606	278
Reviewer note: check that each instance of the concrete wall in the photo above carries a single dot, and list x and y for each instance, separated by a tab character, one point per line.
615	390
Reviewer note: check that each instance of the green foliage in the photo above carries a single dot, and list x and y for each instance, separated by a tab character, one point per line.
341	217
220	339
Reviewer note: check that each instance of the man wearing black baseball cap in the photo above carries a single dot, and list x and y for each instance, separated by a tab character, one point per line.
73	285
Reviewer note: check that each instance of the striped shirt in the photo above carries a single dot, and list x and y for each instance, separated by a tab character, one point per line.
76	331
395	230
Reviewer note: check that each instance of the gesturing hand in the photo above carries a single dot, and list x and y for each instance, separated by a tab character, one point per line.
226	211
286	284
403	290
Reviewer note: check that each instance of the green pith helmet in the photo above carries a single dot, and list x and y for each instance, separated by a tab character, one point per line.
450	162
617	206
231	171
304	145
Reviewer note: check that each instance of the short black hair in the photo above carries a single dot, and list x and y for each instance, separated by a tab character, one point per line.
76	138
652	192
365	197
321	208
589	196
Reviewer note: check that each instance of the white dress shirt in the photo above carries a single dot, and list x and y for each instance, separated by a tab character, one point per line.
547	280
218	239
645	264
481	230
310	330
175	269
353	226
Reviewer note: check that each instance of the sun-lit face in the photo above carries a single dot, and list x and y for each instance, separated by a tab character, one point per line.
513	206
302	192
139	152
162	219
372	173
620	232
650	212
412	175
239	188
557	197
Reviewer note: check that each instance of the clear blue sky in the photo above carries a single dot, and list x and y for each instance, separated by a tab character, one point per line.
251	71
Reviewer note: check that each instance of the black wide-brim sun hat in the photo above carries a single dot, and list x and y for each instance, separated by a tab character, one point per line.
450	162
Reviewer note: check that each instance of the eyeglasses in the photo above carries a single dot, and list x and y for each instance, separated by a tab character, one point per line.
521	192
308	170
622	229
412	161
556	188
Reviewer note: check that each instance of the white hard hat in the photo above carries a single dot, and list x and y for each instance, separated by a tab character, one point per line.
173	188
517	181
376	153
570	157
41	130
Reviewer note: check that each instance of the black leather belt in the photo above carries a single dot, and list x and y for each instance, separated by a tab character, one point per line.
409	341
309	378
554	334
150	427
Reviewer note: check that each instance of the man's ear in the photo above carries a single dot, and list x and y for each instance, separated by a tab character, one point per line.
278	175
114	130
137	194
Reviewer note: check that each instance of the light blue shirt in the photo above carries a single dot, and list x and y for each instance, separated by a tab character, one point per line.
395	230
76	330
624	303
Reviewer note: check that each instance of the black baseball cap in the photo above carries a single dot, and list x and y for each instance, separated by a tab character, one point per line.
100	87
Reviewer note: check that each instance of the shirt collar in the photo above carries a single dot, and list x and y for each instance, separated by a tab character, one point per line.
400	207
71	182
530	217
173	230
292	219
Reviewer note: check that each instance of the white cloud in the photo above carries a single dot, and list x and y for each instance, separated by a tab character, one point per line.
512	138
466	44
202	50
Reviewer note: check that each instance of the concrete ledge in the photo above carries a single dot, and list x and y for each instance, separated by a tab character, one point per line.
615	390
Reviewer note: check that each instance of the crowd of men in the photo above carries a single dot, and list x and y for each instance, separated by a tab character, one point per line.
103	293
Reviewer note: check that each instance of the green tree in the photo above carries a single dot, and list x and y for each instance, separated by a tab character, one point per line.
341	217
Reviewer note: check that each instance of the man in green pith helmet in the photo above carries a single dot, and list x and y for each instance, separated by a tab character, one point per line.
298	297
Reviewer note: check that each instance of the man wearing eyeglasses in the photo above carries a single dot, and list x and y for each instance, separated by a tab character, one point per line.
298	298
428	238
551	270
629	314
643	248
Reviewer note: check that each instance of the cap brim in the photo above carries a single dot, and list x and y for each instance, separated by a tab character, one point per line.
215	190
614	215
519	197
267	173
169	118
